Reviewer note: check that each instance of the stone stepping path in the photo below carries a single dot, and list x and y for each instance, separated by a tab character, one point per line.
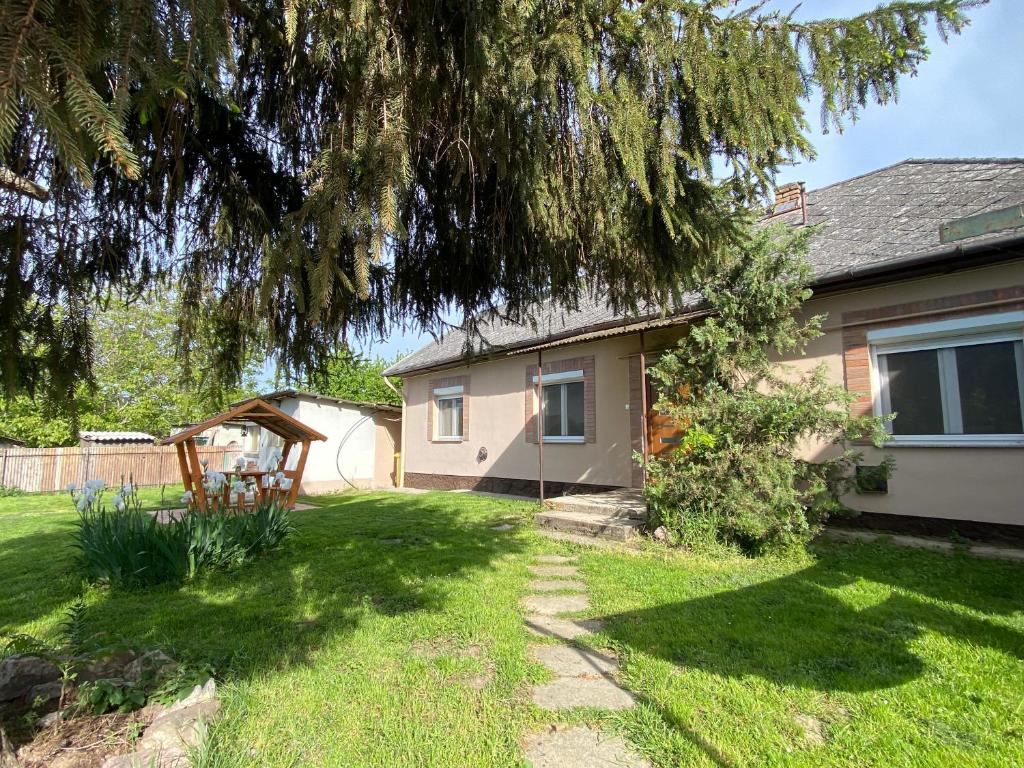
580	748
583	678
559	571
567	661
562	629
573	692
568	585
552	605
554	559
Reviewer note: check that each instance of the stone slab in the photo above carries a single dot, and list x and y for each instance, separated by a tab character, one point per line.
587	524
567	661
573	692
623	503
557	585
554	570
555	559
552	605
628	545
579	747
562	629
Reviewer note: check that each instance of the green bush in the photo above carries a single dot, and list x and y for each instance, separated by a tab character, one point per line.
739	477
127	548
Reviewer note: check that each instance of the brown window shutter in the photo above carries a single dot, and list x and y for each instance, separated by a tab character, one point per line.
430	411
530	409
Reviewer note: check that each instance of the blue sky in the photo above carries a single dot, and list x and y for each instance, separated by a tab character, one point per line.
964	102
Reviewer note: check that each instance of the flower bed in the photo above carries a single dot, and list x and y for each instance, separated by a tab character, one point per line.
128	548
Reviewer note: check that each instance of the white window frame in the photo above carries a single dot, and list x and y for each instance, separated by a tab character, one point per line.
944	335
557	380
448	393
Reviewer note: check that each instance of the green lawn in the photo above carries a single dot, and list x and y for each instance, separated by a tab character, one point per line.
387	633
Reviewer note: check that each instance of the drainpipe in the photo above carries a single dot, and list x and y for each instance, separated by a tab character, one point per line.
540	422
400	470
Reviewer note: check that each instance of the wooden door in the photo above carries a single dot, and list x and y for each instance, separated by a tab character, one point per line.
663	434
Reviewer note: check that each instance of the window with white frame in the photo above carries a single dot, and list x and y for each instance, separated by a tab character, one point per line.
956	381
449	413
563	407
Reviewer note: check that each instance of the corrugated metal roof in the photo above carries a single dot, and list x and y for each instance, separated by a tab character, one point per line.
116	437
884	217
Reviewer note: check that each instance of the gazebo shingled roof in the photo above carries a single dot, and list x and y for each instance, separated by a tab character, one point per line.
261	413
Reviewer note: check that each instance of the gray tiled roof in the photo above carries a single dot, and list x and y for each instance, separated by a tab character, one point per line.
887	215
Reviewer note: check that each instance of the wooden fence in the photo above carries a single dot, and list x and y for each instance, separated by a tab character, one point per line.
53	469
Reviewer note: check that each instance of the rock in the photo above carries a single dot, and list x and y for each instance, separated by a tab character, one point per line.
182	726
151	663
7	757
174	732
45	692
205	692
18	674
150	758
49	720
112	667
661	533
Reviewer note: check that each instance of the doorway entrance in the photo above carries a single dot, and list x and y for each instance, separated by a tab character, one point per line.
663	434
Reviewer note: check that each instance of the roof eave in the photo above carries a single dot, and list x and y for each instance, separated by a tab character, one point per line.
946	258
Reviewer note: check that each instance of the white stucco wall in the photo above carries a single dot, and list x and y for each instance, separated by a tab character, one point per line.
348	454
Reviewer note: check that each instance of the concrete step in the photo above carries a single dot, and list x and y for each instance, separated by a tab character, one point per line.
588	524
625	503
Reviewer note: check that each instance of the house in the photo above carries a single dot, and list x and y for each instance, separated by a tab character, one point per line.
93	437
925	325
362	440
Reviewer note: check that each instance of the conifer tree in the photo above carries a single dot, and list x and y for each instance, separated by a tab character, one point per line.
306	170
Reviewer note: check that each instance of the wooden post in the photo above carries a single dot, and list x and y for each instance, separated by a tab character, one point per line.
285	453
644	425
297	475
186	475
197	474
540	423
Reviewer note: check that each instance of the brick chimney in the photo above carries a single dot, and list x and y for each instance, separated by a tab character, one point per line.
789	197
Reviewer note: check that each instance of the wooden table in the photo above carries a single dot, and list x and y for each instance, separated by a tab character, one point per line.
258	475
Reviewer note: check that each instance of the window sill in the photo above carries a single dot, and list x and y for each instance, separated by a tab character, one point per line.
448	440
1009	441
569	440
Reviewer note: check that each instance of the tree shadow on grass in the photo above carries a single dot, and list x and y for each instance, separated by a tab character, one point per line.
355	557
796	631
989	586
36	576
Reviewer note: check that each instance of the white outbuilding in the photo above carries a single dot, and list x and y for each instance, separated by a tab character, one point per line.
362	446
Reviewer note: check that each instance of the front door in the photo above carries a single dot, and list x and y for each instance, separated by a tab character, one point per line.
662	433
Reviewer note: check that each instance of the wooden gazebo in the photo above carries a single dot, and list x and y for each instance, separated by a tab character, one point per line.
263	414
